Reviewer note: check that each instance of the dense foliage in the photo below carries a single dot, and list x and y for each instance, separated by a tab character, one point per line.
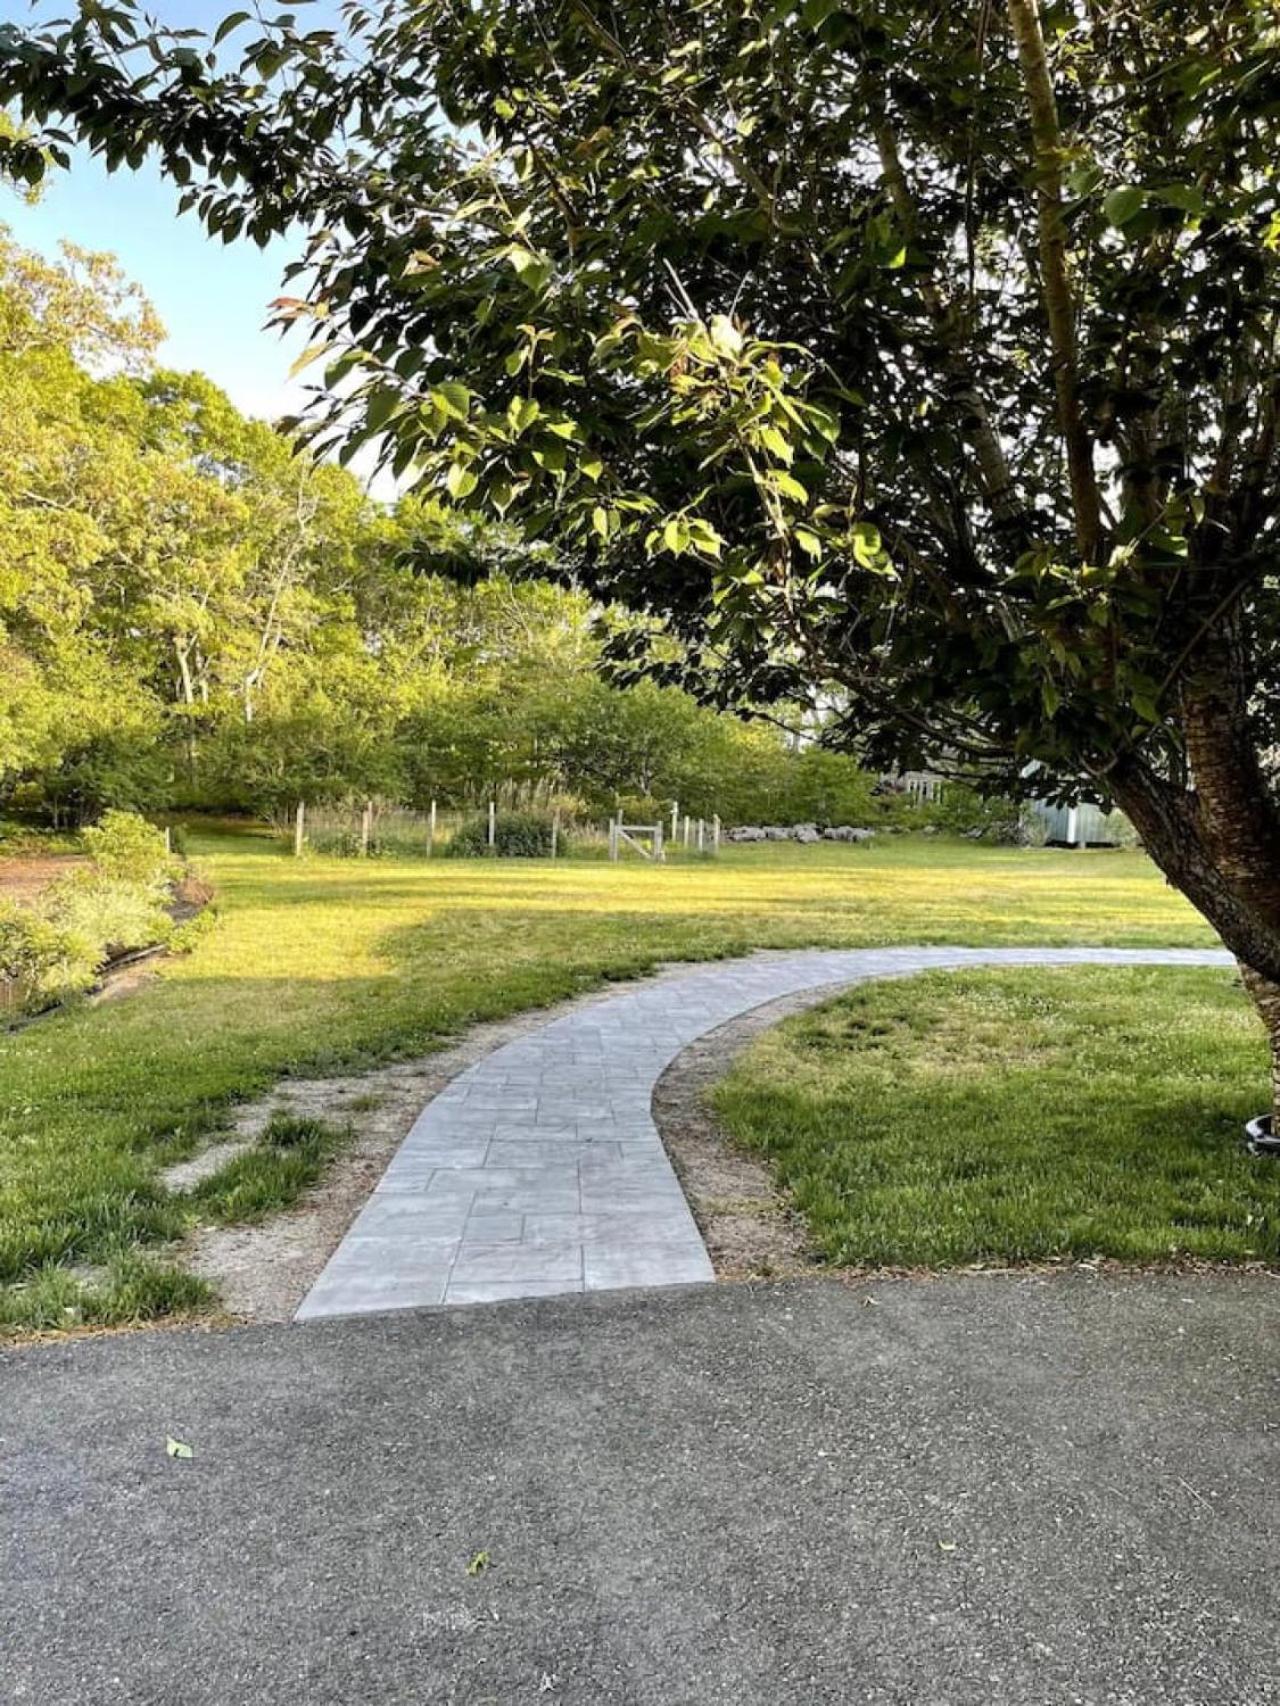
192	613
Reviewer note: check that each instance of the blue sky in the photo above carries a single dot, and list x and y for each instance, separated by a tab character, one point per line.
212	298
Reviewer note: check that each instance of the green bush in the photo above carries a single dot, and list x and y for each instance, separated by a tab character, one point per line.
125	847
42	961
56	948
116	913
517	835
963	811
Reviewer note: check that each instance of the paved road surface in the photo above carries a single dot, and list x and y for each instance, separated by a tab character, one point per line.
969	1492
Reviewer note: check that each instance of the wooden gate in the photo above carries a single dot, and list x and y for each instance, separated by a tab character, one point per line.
632	834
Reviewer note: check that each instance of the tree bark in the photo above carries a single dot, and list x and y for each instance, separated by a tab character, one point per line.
1265	996
1234	891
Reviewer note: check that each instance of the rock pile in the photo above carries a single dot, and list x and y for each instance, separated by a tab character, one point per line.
802	832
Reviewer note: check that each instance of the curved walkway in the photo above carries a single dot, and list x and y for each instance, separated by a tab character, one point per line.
539	1170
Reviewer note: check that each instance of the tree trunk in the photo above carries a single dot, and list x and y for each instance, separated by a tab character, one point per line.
1215	858
1266	998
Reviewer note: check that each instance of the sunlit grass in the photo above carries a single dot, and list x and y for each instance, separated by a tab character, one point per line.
321	963
1018	1116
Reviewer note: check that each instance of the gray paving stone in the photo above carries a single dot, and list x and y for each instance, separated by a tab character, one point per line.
391	1214
508	1263
505	1291
495	1226
344	1295
539	1170
370	1256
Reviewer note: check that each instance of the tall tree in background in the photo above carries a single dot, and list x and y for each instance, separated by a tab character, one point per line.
922	354
193	612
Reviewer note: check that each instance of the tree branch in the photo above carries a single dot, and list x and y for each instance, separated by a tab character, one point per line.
1024	16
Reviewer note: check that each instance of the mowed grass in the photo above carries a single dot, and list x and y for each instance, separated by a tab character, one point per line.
1018	1116
324	964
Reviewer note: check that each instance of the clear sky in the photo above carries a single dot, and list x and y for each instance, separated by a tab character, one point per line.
211	297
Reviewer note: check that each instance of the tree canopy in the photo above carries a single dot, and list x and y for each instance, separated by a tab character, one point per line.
193	611
918	358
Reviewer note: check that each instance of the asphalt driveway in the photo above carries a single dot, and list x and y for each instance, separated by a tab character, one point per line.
968	1492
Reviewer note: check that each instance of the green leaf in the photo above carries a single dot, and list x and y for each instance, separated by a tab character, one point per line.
790	487
454	398
228	24
313	353
178	1448
382	404
522	412
600	520
1185	196
530	268
675	536
460	481
777	444
1123	204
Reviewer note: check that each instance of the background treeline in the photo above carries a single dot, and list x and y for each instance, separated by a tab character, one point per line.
194	617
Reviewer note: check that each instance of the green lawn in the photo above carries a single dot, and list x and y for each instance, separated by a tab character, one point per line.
1018	1116
324	963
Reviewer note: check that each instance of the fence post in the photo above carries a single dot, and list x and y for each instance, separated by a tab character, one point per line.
366	825
659	855
555	831
299	830
168	839
675	819
702	835
493	825
431	830
613	840
688	830
715	836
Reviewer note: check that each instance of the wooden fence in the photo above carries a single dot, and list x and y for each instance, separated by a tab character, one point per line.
376	827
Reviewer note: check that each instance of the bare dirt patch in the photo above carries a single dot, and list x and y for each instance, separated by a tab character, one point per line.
747	1223
25	877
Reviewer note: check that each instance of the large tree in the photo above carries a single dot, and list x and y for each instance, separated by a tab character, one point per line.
919	357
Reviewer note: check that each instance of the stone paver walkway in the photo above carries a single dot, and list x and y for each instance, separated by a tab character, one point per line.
539	1170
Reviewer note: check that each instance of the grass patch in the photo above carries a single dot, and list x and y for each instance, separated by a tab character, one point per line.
1018	1116
290	1155
325	964
130	1290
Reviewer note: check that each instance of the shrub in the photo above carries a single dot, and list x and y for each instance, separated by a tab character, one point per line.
42	961
963	811
56	948
116	913
517	835
126	847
